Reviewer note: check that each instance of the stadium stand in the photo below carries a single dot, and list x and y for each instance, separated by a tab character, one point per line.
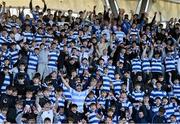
88	67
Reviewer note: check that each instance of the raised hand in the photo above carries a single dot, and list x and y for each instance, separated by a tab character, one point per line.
4	3
19	8
123	11
131	11
175	20
94	7
93	83
60	73
159	13
170	74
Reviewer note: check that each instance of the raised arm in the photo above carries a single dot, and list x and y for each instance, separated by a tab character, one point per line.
163	52
3	8
144	52
30	5
45	6
39	108
85	15
151	52
56	104
19	118
154	18
127	86
160	16
106	13
93	84
90	16
91	50
132	16
94	10
64	81
177	42
170	78
178	66
21	13
8	11
55	16
120	16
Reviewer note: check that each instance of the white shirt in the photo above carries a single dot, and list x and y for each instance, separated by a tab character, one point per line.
47	114
18	37
78	98
2	118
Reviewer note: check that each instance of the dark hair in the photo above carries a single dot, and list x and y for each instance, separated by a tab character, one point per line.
47	119
37	75
173	115
9	87
22	63
6	68
141	111
59	89
146	95
110	109
161	109
19	102
4	44
157	98
4	109
92	104
20	76
37	6
45	89
74	106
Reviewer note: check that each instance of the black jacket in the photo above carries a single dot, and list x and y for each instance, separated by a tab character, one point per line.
2	77
141	120
75	116
12	114
159	119
7	101
70	67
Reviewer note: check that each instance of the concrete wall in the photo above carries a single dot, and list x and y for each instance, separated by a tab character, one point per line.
168	9
76	5
128	5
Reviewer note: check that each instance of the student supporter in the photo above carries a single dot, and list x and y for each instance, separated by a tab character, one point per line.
159	117
78	96
94	68
43	61
6	79
32	62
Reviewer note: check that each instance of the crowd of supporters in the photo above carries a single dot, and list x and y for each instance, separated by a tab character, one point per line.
94	68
